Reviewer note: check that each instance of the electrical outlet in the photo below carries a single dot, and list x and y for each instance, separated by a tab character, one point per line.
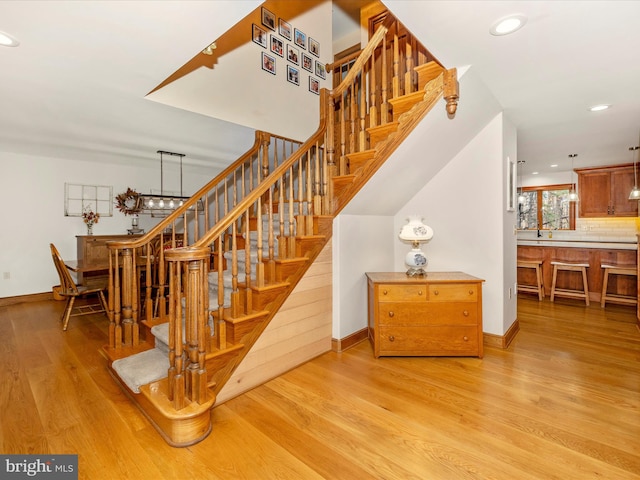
6	275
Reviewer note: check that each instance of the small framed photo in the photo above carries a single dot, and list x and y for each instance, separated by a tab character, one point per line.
307	62
268	19
293	75
299	38
293	54
314	47
259	36
277	45
320	70
268	63
314	85
284	29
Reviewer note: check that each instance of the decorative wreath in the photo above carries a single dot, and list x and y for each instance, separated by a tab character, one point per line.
128	202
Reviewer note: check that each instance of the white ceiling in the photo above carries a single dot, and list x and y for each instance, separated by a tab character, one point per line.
75	86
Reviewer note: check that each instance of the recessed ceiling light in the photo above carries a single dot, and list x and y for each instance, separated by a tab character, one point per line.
507	25
534	173
554	165
599	108
7	40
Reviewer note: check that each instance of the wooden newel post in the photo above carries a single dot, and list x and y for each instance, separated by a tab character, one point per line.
129	293
451	90
189	270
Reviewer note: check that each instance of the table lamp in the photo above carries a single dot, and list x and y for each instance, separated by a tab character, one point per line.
416	232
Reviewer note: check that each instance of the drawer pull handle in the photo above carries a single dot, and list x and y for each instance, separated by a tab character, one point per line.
384	292
470	292
419	292
465	313
465	338
391	338
436	292
391	314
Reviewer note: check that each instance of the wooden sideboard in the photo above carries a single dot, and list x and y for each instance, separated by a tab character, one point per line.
621	284
436	314
93	256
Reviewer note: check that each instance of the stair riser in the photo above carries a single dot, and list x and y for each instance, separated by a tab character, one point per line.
236	331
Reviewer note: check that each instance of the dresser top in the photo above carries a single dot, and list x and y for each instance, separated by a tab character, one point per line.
430	277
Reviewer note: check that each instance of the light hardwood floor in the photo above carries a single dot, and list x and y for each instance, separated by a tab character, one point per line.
563	402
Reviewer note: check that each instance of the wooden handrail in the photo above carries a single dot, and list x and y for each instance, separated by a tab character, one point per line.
125	306
331	66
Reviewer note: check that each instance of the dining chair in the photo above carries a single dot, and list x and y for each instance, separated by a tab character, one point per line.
71	291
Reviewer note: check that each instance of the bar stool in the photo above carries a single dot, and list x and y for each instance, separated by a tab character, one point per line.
538	288
566	292
615	298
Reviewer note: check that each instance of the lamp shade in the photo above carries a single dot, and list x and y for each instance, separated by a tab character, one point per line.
573	196
416	231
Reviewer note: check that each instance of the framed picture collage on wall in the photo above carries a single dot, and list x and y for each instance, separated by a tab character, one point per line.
280	39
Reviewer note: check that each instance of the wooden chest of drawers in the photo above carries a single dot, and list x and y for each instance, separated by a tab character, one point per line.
436	314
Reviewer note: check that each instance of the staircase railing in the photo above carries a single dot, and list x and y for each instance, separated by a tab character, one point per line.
138	271
241	243
277	220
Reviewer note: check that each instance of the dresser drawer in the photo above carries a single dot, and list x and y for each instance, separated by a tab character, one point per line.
457	293
436	340
414	313
402	293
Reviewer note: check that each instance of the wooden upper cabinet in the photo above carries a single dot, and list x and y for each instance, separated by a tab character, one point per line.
604	192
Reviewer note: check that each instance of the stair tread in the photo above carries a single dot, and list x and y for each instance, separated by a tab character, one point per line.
142	368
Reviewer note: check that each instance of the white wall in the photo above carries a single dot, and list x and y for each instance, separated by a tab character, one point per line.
34	217
361	243
464	205
245	94
509	231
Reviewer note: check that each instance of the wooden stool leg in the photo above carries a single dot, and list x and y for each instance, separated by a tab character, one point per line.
540	286
553	282
585	285
605	282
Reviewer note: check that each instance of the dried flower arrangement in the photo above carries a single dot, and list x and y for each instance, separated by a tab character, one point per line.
89	216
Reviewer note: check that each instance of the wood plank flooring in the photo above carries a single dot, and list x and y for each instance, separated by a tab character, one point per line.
563	402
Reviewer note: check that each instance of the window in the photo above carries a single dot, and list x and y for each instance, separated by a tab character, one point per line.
546	208
96	197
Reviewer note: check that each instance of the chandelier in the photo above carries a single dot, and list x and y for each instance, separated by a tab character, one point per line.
163	204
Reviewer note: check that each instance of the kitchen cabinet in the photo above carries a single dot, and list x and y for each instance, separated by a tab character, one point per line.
604	191
595	257
436	314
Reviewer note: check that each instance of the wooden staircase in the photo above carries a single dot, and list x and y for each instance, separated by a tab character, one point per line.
264	222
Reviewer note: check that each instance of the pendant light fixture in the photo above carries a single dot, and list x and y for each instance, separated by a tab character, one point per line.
573	195
164	204
635	191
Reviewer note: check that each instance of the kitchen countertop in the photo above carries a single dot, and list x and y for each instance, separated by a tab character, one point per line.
550	242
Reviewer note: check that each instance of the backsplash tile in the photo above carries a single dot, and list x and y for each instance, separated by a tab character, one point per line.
593	229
